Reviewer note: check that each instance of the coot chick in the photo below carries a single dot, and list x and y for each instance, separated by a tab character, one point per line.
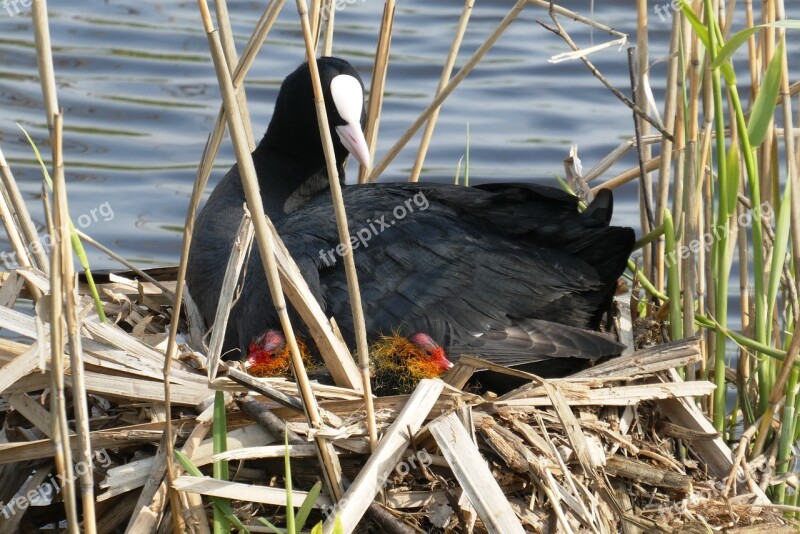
511	272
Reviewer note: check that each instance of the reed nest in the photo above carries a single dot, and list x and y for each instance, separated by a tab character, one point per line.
618	447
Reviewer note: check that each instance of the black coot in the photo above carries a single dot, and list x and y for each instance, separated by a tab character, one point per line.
512	272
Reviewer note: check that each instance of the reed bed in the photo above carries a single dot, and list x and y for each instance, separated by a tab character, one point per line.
645	442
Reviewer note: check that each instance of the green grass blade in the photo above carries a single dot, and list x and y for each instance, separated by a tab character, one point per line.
220	445
458	169
673	280
308	505
740	37
766	100
290	528
697	25
272	527
780	246
77	246
223	504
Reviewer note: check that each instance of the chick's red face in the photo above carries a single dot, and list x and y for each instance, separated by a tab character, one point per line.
435	360
267	356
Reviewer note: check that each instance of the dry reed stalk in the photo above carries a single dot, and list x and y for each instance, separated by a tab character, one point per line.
631	174
513	13
330	345
329	8
60	254
257	38
359	325
385	456
651	254
229	46
315	20
327	456
20	210
71	303
14	236
378	84
474	475
670	117
44	60
580	54
777	393
443	79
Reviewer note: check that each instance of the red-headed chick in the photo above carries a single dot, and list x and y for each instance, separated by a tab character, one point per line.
269	356
399	363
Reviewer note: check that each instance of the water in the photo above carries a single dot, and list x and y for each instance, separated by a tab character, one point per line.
139	95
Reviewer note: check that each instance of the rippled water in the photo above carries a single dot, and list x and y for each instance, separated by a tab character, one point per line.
139	95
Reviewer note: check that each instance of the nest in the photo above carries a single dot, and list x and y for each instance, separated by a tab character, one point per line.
619	446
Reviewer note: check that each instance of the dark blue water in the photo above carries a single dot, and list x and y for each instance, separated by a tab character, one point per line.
139	95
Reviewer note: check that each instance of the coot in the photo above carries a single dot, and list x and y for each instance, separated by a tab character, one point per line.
512	272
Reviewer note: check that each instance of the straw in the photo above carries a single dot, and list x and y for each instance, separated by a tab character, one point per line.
359	325
449	88
378	84
265	243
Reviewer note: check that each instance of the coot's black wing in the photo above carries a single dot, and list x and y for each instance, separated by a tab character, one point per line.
463	263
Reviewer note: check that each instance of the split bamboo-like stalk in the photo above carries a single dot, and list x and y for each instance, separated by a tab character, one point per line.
44	60
513	13
447	70
359	325
378	84
242	243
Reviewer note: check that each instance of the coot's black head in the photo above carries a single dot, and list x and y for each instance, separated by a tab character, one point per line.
293	130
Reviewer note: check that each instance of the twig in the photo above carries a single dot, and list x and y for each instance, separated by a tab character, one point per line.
561	32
